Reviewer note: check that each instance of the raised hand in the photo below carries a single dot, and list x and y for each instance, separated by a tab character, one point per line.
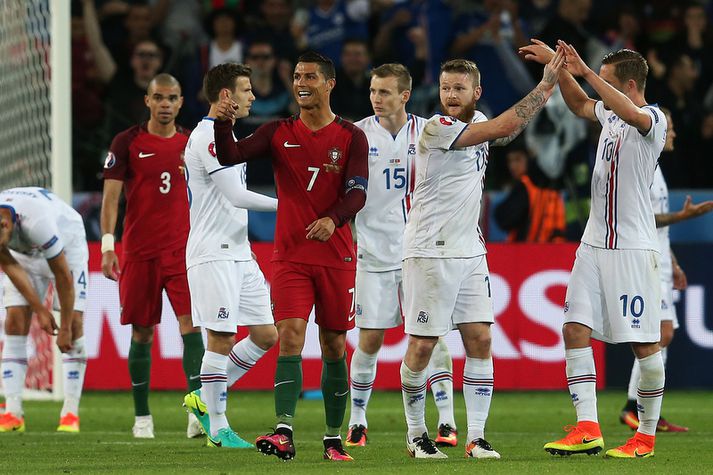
573	63
552	69
537	51
226	108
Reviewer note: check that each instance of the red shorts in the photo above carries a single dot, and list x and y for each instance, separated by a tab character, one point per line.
294	288
141	284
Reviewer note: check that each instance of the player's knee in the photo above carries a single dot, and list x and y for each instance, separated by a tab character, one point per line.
142	335
265	338
421	348
370	341
575	334
666	335
16	322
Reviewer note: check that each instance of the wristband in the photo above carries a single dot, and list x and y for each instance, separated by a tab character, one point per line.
107	242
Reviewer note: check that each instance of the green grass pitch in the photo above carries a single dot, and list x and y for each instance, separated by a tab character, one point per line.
519	424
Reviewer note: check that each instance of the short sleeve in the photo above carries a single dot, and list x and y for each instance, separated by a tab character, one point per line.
441	132
116	164
205	148
657	132
44	234
600	112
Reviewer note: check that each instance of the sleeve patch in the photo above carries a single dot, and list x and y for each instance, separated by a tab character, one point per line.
110	160
656	116
50	243
211	149
447	120
357	183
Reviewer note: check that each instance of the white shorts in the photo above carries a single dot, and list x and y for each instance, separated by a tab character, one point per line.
668	309
41	275
378	299
225	294
442	293
616	293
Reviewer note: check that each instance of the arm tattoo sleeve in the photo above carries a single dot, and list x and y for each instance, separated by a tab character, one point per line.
525	110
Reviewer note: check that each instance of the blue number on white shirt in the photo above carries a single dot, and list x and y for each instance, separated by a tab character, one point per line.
399	177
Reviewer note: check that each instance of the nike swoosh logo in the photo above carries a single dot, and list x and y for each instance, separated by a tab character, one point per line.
351	317
146	155
194	377
342	394
290	145
282	441
588	441
217	443
133	384
284	382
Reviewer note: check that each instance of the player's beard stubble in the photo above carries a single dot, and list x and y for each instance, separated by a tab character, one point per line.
466	112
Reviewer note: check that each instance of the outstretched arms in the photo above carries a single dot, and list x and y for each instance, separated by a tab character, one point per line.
574	96
508	125
615	100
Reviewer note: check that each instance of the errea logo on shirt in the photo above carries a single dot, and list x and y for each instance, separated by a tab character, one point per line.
373	152
447	120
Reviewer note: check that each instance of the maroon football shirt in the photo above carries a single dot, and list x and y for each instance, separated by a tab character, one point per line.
151	168
318	173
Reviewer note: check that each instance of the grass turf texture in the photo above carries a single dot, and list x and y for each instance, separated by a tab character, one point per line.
519	425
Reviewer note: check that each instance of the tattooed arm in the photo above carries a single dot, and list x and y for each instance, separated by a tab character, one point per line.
508	125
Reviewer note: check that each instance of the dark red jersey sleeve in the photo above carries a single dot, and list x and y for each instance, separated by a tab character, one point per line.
356	178
255	146
116	164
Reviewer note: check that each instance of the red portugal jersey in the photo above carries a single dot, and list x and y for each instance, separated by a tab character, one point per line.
151	168
315	172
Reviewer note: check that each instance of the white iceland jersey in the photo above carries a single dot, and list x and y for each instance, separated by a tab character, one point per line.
380	223
659	201
219	230
449	186
44	224
621	216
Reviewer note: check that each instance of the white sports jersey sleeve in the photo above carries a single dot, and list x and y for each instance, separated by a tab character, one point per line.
659	202
44	224
380	223
621	216
219	230
449	187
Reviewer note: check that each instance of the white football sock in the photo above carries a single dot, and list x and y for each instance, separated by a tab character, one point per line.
582	382
440	377
14	369
413	391
74	365
650	394
478	392
242	358
362	372
634	381
214	389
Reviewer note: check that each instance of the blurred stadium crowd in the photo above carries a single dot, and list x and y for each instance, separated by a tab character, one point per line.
118	46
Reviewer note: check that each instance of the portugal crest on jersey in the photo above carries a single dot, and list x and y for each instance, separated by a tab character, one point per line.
334	154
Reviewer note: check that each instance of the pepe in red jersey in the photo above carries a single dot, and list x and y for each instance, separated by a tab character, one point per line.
146	162
321	172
